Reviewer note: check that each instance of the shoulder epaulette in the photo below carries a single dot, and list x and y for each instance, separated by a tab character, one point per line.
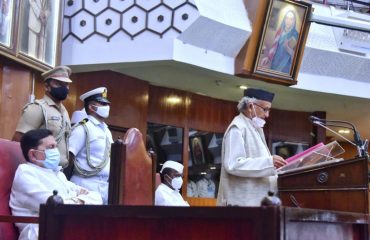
84	121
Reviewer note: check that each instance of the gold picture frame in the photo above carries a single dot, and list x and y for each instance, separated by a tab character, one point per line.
282	41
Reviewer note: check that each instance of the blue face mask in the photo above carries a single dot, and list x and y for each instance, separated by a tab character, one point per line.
52	159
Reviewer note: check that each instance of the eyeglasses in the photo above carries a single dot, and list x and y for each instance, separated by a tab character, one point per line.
265	110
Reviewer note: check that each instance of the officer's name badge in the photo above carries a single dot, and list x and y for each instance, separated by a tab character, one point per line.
54	118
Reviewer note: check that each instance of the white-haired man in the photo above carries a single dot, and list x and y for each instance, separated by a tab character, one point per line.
248	168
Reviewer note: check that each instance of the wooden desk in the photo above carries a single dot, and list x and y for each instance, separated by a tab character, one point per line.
340	186
148	222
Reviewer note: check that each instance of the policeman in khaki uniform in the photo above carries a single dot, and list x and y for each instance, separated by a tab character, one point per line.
49	111
90	144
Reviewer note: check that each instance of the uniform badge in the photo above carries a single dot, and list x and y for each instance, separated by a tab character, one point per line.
104	94
56	118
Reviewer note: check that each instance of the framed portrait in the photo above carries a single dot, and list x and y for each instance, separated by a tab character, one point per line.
197	150
282	40
6	23
39	31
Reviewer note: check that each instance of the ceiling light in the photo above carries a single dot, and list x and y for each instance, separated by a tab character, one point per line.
243	87
173	100
344	131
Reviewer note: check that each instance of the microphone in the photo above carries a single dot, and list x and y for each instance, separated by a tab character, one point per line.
362	146
315	120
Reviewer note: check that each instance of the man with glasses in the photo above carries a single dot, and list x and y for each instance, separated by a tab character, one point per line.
248	169
49	112
35	181
90	144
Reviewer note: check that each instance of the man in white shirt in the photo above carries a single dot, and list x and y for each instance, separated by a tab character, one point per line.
167	193
90	144
35	181
248	169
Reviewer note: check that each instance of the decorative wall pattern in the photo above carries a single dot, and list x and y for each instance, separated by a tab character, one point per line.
106	18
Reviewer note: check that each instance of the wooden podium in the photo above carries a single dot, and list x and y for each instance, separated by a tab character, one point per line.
340	186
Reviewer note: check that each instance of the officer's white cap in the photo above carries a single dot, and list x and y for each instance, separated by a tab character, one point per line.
78	116
98	94
174	165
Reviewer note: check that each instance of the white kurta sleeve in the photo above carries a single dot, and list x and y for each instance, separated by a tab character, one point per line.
28	191
91	197
238	162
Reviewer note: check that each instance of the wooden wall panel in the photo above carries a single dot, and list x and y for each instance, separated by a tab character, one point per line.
162	110
209	114
289	126
128	96
15	90
199	202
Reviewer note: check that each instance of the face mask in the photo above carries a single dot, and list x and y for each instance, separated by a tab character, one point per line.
176	182
52	159
257	121
102	111
59	93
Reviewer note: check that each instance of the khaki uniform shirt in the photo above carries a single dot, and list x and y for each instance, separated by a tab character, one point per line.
44	113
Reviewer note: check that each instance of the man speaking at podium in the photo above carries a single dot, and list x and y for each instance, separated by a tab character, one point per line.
248	168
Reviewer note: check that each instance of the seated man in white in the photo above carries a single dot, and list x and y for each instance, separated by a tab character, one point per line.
167	193
35	181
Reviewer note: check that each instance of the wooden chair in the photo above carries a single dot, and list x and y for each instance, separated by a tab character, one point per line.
10	157
131	171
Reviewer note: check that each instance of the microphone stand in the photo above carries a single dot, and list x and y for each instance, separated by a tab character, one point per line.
360	145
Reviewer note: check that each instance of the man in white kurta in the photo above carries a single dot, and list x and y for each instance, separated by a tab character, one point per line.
248	169
35	181
168	192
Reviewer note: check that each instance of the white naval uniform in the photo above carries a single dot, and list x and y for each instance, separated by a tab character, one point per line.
33	185
165	196
98	132
247	172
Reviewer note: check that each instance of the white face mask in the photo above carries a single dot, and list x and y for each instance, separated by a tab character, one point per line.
257	121
52	158
176	182
102	111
